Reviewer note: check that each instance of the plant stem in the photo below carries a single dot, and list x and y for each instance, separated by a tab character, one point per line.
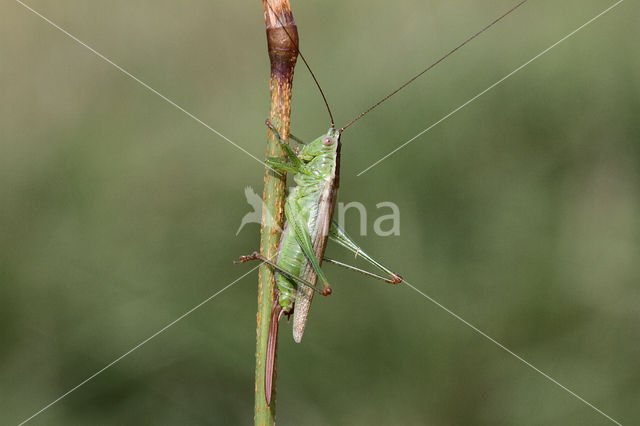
282	54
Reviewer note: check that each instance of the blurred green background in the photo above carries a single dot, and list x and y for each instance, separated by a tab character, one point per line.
521	213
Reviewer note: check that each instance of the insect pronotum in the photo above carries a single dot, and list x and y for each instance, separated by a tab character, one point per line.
309	219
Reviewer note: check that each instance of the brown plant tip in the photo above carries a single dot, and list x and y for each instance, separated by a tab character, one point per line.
277	13
327	291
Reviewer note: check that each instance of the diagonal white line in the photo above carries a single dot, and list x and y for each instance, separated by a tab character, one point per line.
142	83
163	329
490	87
510	352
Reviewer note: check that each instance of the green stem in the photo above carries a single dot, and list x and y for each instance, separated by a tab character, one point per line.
283	55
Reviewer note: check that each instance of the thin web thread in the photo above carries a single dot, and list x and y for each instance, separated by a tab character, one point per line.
115	361
510	352
489	88
460	46
142	83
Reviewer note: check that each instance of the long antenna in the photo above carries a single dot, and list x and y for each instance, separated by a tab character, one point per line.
306	64
432	65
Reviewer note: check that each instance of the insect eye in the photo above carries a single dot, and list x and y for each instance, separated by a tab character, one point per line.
327	141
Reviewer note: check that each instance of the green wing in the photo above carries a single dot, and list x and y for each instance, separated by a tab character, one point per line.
303	238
